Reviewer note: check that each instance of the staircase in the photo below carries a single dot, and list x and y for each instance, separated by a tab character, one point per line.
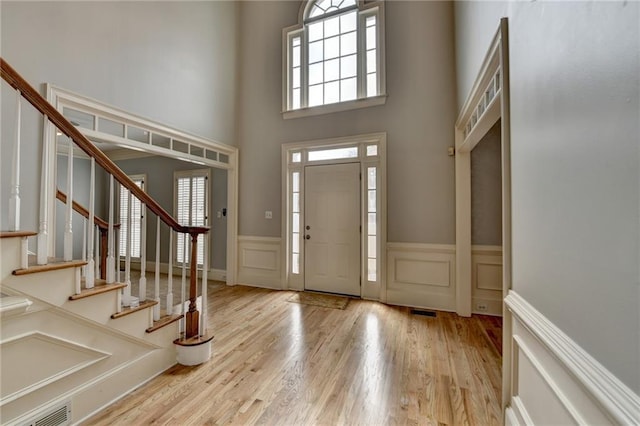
73	338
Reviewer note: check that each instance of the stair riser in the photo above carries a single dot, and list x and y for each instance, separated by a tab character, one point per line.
9	256
131	323
98	308
53	287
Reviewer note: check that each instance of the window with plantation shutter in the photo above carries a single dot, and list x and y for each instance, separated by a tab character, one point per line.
191	195
136	219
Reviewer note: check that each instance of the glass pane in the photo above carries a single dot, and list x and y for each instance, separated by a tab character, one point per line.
296	222
371	226
371	20
332	26
295	202
197	151
332	48
315	94
296	41
348	44
315	73
137	134
296	176
371	244
372	272
371	205
372	150
212	155
348	89
296	56
110	127
296	157
331	70
371	177
223	158
295	243
316	31
371	61
347	3
348	66
180	146
295	263
332	92
296	78
371	38
348	22
332	154
316	11
78	118
372	84
161	141
295	99
315	51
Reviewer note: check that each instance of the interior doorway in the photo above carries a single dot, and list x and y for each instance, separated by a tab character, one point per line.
332	228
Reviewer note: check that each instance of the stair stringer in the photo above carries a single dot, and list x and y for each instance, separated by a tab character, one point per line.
122	362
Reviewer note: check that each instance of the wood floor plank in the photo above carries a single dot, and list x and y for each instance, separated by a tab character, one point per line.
276	362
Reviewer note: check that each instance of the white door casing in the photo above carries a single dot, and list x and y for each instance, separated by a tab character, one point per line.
332	228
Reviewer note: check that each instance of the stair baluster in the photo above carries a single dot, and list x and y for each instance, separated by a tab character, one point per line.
205	267
90	273
68	220
43	233
14	198
84	246
184	280
170	275
97	252
156	293
126	300
110	238
143	253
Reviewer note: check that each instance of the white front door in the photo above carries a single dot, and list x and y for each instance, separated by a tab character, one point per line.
332	228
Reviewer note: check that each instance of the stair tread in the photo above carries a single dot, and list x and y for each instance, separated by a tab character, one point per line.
52	265
164	321
193	341
128	311
100	287
17	234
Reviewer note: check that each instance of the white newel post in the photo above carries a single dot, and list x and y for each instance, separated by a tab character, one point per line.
143	253
68	220
43	237
170	275
110	274
126	299
156	293
90	269
14	198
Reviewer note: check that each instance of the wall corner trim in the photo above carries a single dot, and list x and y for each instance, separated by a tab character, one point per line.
617	400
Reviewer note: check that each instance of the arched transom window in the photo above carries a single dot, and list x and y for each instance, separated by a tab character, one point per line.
334	58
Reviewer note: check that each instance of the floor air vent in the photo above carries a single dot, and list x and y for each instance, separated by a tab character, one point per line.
57	416
423	313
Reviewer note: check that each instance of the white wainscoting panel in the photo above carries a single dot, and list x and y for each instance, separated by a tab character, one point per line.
259	262
421	275
486	276
554	381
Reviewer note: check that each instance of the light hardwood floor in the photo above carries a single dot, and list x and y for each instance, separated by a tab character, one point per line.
277	362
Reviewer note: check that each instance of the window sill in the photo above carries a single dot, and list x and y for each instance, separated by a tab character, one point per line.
337	107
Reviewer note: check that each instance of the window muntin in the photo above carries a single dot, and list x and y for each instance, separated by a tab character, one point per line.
334	56
136	219
191	192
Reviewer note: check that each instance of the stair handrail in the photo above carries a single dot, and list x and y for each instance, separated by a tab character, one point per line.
79	208
15	80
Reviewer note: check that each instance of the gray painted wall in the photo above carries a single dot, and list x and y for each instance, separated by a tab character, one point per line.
160	186
418	118
486	189
575	129
174	62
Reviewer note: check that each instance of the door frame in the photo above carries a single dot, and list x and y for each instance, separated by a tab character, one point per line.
295	156
488	101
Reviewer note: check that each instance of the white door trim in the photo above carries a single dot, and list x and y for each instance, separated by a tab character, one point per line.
294	159
200	150
487	102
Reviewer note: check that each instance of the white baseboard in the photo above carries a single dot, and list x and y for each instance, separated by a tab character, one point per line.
259	262
555	381
421	275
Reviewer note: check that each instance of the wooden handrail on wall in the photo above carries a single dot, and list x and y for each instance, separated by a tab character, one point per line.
102	225
16	81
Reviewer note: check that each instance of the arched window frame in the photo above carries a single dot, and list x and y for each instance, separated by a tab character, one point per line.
295	54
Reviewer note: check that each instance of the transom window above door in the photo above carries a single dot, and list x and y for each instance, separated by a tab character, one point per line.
334	58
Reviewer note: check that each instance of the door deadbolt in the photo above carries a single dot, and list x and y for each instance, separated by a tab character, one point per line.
308	237
307	227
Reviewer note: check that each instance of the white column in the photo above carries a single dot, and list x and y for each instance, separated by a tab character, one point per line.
14	198
110	274
43	233
90	270
143	252
156	308
68	231
170	275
